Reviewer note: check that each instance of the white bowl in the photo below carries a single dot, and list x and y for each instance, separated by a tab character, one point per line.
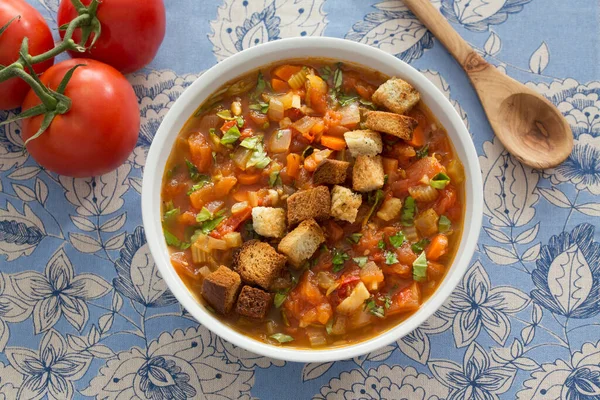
263	55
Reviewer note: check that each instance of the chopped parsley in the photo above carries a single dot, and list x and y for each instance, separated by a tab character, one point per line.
372	307
338	77
390	257
420	268
423	151
345	100
398	239
275	179
203	215
408	211
339	257
173	240
261	85
368	104
195	175
280	298
231	136
354	238
172	171
439	181
444	224
325	73
361	261
420	245
281	337
381	245
375	199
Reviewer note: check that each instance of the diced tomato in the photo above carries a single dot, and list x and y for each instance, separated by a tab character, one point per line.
400	270
200	151
187	218
405	254
294	114
400	187
408	299
228	125
445	200
232	223
183	266
435	271
258	118
224	186
306	304
437	248
279	86
245	133
429	166
173	188
347	283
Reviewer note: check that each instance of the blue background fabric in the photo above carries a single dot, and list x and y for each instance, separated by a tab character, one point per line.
85	314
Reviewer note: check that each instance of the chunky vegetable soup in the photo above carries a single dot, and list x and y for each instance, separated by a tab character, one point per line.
313	204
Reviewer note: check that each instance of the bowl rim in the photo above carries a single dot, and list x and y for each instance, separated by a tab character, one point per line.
252	59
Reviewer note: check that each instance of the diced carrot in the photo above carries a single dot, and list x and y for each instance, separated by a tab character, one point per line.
285	72
418	137
390	165
240	195
224	186
279	85
435	271
334	143
318	128
337	131
437	248
316	94
202	196
200	151
293	164
187	218
248	179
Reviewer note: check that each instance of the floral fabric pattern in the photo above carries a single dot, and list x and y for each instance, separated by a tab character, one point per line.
84	312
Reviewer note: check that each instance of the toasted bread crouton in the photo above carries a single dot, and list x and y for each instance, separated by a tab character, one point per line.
311	203
220	289
253	303
367	173
330	172
269	221
364	142
344	203
258	263
300	244
396	95
392	124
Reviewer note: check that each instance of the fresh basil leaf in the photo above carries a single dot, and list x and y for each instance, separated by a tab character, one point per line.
361	261
408	211
444	224
203	215
339	257
338	78
282	338
440	181
373	308
192	170
173	240
398	239
420	268
354	238
279	298
325	73
381	245
231	136
420	245
423	151
390	257
208	226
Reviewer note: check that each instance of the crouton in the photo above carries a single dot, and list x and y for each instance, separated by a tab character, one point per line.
396	95
311	203
258	263
330	172
253	303
367	173
344	203
392	124
220	289
300	244
269	221
364	142
390	209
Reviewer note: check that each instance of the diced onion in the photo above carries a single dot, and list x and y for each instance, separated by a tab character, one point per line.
285	123
411	233
350	115
423	193
274	197
390	209
233	239
280	141
276	109
304	124
287	100
296	101
241	156
216	244
427	222
270	325
325	280
456	171
355	300
316	337
339	326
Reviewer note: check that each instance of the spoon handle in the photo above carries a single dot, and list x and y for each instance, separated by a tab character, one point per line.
443	31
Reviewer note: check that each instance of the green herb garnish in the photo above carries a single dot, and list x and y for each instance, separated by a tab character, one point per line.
231	136
439	181
420	245
325	73
280	298
203	215
420	268
444	224
281	337
375	199
368	104
251	142
329	326
373	308
381	244
390	257
408	211
260	106
338	260
423	152
307	151
275	179
361	261
226	115
193	171
338	77
398	239
345	100
354	238
173	240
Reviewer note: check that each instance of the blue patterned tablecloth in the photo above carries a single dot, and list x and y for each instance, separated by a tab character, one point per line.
85	314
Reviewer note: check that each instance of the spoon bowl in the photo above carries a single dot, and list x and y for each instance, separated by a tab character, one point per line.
531	128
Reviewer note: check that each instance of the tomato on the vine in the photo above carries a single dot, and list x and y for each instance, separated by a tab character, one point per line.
132	31
99	131
31	24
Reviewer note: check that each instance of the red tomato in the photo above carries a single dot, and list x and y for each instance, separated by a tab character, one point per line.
32	25
99	131
132	31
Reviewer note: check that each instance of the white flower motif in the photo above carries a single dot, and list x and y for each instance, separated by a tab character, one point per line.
179	366
244	357
10	381
474	304
11	144
50	371
19	233
478	15
384	383
58	292
12	309
242	24
576	379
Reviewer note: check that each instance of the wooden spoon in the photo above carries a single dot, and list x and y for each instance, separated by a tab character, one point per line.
530	127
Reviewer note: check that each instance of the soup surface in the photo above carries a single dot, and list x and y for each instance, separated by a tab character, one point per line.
312	203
